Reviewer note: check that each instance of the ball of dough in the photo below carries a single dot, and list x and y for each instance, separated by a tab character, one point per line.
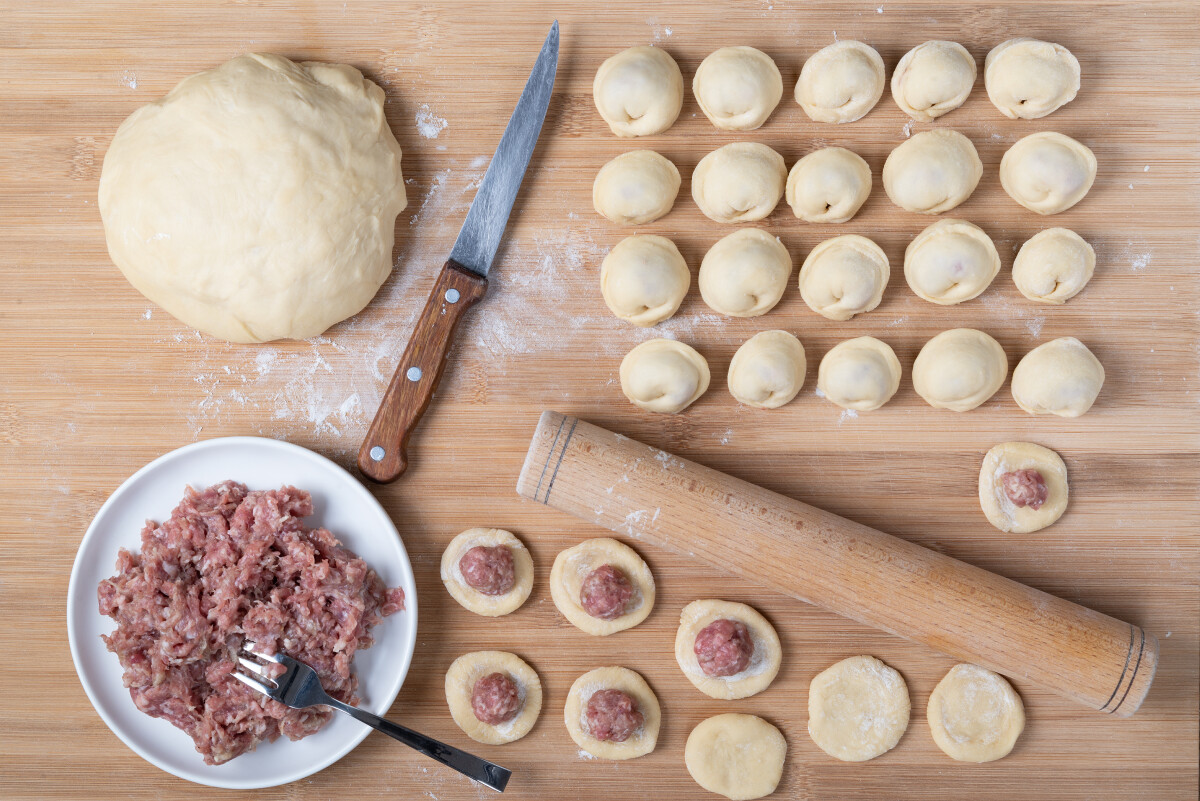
636	187
860	374
959	369
857	709
639	91
840	82
950	261
662	375
469	668
740	182
745	273
1022	487
844	276
1054	266
932	172
828	185
1059	377
1047	172
737	756
644	279
473	600
768	370
933	79
1027	79
764	662
737	88
641	741
258	200
975	715
570	573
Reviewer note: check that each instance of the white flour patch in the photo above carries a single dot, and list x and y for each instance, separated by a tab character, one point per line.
659	32
907	129
480	162
129	79
847	414
820	393
1007	309
429	124
897	321
1133	252
879	10
147	314
727	436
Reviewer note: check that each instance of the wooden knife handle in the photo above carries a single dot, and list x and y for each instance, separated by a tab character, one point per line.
383	455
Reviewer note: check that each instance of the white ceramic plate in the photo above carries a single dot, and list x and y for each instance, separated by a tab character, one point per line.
341	504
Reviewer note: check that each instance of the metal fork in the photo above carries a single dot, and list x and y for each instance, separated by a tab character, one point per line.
299	687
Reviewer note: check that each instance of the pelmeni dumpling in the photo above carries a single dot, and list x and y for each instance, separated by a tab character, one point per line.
639	91
828	185
768	370
636	187
1027	78
950	261
1054	266
844	276
740	182
745	274
1047	172
959	369
662	375
737	88
933	79
1060	377
860	374
644	279
840	82
932	172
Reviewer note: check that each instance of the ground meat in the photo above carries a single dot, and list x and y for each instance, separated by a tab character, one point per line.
489	570
1025	488
606	593
494	699
724	647
612	715
231	566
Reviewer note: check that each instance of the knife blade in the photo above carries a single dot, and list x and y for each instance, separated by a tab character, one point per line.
463	279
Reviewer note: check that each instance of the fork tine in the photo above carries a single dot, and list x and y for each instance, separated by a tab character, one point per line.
254	684
252	649
256	668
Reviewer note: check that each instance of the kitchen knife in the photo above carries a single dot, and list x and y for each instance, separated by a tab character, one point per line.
463	279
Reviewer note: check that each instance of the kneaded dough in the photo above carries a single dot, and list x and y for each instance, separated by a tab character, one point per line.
764	662
840	82
932	172
740	182
933	79
470	668
471	599
959	369
857	709
644	279
950	261
844	276
768	370
639	91
642	741
662	375
860	374
1059	377
574	564
828	185
737	88
745	274
1027	78
1047	172
1054	266
737	756
258	200
1009	457
975	715
635	188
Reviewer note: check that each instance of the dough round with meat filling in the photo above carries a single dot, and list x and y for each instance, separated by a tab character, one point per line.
644	279
975	715
1022	487
738	756
569	576
1059	377
1047	172
828	185
1054	266
575	713
840	82
933	79
665	376
636	187
768	370
860	374
737	88
951	261
764	660
844	276
959	369
639	91
745	274
857	709
1027	78
740	182
461	680
472	599
932	172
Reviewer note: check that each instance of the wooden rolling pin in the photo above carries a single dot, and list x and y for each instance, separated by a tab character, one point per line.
848	568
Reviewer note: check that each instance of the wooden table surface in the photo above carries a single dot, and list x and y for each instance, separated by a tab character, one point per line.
96	381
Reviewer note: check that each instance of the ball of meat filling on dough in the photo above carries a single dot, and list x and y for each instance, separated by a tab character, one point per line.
1022	487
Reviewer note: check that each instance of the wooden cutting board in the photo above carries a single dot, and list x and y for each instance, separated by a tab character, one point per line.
96	381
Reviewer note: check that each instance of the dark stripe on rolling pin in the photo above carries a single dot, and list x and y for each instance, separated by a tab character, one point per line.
1136	665
551	455
561	455
1117	689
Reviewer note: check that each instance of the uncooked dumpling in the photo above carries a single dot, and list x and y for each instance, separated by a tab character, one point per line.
745	274
840	82
1059	377
1047	172
740	182
636	187
639	91
768	370
662	375
737	88
1054	266
860	374
644	279
959	369
1027	78
933	79
828	185
857	709
737	756
844	276
932	172
950	261
1022	487
975	715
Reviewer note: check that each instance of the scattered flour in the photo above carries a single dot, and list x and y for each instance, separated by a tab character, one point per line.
879	10
146	315
429	124
907	130
820	393
129	79
847	414
659	32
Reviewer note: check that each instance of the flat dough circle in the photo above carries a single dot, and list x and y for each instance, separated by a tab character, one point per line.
764	662
258	200
644	279
1047	172
857	709
828	185
573	565
932	172
860	374
975	715
642	741
1008	457
933	79
844	276
636	187
460	682
738	756
959	369
665	376
1054	266
745	274
1059	377
740	182
840	82
768	370
950	262
471	599
1027	79
737	88
639	91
